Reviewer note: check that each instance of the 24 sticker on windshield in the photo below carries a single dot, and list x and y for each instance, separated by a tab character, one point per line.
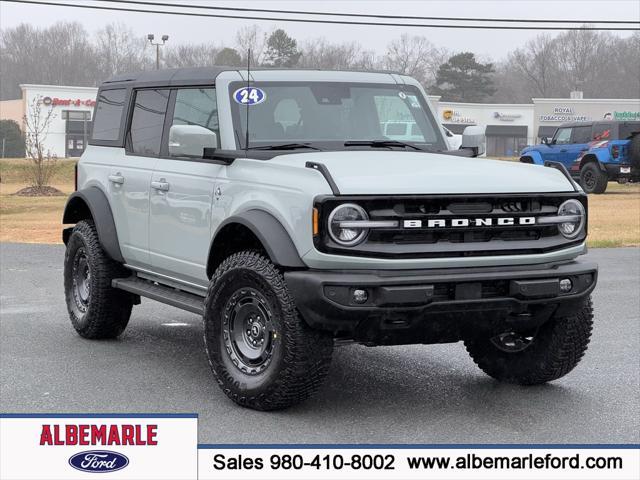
249	96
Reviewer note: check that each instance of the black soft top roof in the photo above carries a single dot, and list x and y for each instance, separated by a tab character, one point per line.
170	76
195	76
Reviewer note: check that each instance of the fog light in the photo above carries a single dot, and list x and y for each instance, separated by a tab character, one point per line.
360	296
565	285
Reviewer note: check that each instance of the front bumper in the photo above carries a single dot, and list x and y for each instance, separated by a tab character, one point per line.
432	306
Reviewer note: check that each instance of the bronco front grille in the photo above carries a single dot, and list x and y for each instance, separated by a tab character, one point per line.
425	225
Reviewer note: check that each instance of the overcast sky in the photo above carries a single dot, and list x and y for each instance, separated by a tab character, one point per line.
487	43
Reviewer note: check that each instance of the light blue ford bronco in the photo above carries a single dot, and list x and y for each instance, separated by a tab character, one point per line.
274	205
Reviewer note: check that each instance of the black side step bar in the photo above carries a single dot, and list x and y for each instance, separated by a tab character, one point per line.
170	296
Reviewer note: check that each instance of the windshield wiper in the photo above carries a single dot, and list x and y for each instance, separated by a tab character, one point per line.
379	144
285	146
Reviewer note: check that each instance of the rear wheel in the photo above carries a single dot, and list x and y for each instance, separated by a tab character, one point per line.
535	357
262	353
95	308
592	179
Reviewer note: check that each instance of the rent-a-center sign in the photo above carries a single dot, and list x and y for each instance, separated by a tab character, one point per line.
68	102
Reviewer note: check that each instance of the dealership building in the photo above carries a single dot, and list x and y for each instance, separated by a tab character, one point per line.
508	127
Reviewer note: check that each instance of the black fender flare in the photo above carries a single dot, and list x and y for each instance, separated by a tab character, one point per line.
96	201
273	236
592	158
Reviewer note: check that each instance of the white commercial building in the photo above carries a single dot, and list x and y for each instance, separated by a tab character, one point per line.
510	127
72	115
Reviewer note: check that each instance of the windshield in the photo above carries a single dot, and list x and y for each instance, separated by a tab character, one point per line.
326	115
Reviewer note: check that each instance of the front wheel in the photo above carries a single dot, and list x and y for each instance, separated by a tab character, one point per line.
592	179
532	358
262	353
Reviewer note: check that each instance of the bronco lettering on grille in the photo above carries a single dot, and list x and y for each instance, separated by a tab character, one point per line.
469	222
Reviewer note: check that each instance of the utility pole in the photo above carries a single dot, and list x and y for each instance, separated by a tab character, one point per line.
151	37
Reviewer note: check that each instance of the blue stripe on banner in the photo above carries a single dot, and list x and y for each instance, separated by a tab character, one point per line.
404	446
98	415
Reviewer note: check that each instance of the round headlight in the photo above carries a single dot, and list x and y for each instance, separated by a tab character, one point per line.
351	235
574	209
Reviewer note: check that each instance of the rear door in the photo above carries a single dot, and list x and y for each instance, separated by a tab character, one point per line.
182	187
130	175
124	176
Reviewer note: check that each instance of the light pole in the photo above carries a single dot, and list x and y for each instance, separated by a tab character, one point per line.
150	37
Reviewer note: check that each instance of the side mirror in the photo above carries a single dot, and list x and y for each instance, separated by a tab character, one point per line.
473	138
190	140
545	140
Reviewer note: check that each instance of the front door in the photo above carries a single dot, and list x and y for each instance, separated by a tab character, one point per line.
182	188
557	150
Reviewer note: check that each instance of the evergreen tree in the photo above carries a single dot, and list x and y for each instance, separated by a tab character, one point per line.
282	50
11	139
463	79
228	56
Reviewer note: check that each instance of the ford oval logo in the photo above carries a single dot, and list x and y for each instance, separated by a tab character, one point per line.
98	461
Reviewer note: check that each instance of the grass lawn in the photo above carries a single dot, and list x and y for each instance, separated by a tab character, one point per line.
614	218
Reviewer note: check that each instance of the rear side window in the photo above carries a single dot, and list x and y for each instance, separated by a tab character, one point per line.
106	126
147	122
581	134
603	131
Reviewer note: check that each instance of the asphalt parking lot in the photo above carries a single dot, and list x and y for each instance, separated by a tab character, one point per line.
416	394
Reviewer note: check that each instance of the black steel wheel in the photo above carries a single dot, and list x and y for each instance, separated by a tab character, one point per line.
248	331
512	342
262	353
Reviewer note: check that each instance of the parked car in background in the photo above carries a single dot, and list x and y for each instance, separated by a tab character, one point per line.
409	131
593	152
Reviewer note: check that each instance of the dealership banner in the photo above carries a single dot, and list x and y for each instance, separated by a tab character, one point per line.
66	446
165	446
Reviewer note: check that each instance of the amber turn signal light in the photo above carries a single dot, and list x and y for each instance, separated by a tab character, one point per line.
315	222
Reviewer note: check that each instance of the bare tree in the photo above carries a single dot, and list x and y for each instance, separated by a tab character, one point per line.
254	39
537	63
36	123
415	56
319	53
60	55
201	55
120	50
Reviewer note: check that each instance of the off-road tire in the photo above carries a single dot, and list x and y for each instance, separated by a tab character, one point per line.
300	356
592	179
106	310
556	349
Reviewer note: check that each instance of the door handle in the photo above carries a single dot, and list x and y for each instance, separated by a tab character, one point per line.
117	178
563	150
160	186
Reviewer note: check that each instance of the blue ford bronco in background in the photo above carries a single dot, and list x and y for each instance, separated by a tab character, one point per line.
593	152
